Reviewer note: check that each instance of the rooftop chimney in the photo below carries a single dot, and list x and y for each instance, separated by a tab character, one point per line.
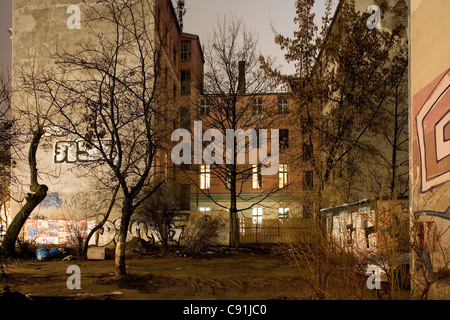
181	11
241	79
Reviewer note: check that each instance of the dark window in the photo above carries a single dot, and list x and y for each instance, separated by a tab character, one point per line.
258	137
185	51
184	197
257	107
306	212
205	107
307	126
308	180
175	56
185	83
284	138
185	118
307	151
283	106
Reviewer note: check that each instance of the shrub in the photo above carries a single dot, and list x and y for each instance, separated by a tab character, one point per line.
201	234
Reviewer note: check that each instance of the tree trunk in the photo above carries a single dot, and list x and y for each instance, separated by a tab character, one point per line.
119	260
234	228
234	222
39	192
100	225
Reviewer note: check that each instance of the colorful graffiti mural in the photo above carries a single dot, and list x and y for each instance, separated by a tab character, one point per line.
56	231
432	124
431	147
67	231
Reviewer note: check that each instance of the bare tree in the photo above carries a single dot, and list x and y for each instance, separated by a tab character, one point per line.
6	123
110	95
158	212
29	113
235	96
5	141
347	77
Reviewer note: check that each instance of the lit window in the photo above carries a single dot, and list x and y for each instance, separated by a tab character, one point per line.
256	177
205	176
283	176
257	216
204	209
283	213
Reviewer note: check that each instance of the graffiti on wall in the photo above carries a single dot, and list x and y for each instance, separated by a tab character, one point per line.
52	200
68	231
354	231
430	136
138	229
57	231
78	151
432	124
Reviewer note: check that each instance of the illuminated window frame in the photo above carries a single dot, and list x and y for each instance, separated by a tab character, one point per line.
257	216
256	177
283	176
205	176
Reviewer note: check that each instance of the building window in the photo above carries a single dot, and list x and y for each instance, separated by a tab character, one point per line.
185	83
307	151
283	106
257	107
205	176
307	126
205	107
166	165
185	118
175	57
257	216
185	51
308	180
256	177
283	213
283	176
284	138
185	197
204	209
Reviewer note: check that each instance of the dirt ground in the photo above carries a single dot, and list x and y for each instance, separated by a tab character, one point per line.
240	275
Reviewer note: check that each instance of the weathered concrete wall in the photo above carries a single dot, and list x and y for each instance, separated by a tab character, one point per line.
42	29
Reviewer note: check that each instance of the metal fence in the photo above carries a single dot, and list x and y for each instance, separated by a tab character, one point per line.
272	231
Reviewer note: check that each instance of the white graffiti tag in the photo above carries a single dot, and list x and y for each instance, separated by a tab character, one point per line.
138	229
